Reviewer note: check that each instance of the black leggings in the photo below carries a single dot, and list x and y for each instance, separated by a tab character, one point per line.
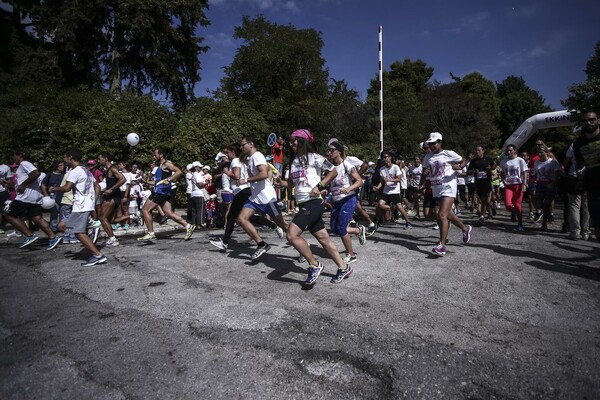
197	206
234	210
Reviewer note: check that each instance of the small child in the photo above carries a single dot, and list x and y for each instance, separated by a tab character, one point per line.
212	206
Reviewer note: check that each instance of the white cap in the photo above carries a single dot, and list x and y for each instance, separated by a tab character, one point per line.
332	140
434	137
188	167
206	167
196	164
371	163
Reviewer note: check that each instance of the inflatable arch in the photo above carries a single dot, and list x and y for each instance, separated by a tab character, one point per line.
553	119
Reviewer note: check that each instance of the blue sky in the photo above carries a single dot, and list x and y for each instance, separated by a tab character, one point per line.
546	42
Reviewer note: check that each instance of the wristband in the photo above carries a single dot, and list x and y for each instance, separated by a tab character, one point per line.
320	186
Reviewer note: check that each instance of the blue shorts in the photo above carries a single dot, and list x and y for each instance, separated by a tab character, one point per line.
271	209
341	215
227	197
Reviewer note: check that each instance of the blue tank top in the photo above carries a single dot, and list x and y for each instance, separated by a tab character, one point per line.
159	175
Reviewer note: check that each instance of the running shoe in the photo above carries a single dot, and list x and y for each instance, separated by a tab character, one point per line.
342	274
439	250
435	227
148	237
313	273
116	227
189	231
219	244
537	217
27	240
467	234
531	216
458	212
163	220
520	228
111	242
260	251
94	260
585	236
371	230
481	221
279	232
52	243
411	213
407	226
362	234
125	227
301	259
14	234
349	258
94	234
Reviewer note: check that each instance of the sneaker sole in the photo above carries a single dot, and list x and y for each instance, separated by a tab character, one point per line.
28	243
260	252
97	262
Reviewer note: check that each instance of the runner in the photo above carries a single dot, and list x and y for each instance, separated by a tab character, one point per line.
481	168
344	188
514	174
111	197
441	166
163	176
305	174
390	177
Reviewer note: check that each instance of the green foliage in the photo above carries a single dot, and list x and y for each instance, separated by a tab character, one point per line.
209	124
279	70
150	44
517	103
585	96
47	121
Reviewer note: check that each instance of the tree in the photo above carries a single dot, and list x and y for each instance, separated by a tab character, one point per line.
279	70
404	89
586	95
517	103
149	45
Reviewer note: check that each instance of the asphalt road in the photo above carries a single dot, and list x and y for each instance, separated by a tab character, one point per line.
508	316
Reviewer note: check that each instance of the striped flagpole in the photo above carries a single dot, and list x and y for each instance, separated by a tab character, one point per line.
380	90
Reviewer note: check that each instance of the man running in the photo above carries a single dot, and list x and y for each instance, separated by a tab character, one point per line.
165	173
112	197
481	168
390	177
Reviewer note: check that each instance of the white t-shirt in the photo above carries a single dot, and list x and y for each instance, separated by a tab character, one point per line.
225	183
306	177
404	180
4	171
390	173
414	174
355	161
189	186
263	191
197	177
84	196
237	163
342	180
136	189
573	168
32	193
545	171
128	176
442	176
512	170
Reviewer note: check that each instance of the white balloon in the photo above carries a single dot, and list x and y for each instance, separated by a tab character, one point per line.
48	202
133	139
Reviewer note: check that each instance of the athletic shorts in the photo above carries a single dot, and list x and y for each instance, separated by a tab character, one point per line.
20	209
271	208
310	216
159	198
483	187
227	197
390	198
341	215
77	222
428	201
3	197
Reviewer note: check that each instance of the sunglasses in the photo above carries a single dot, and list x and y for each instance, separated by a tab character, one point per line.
331	150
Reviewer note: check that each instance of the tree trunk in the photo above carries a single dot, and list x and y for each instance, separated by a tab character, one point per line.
115	65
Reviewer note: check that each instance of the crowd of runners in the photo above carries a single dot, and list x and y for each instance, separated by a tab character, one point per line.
244	188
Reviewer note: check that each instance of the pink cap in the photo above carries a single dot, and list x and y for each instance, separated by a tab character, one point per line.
304	134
